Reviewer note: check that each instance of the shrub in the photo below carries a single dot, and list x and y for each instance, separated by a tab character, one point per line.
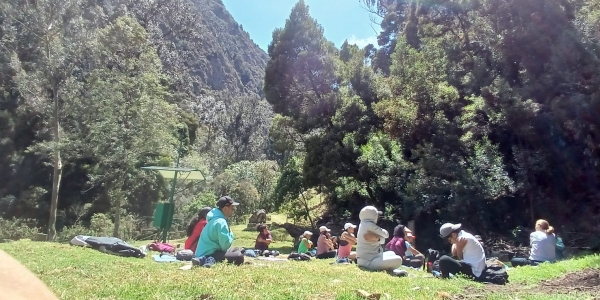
17	229
281	235
68	232
101	225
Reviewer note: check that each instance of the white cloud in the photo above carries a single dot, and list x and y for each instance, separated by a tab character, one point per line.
362	42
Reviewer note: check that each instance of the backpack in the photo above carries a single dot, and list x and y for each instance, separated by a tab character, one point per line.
495	272
161	247
432	261
298	256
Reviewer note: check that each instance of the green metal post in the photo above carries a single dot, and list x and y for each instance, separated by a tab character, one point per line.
170	213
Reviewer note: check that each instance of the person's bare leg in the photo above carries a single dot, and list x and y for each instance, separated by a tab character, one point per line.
18	283
352	256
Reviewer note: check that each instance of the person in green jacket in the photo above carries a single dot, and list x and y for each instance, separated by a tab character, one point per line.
216	238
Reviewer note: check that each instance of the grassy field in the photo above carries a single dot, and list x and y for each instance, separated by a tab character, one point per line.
82	273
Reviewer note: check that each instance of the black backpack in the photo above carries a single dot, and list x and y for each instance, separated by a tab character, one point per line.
495	273
298	256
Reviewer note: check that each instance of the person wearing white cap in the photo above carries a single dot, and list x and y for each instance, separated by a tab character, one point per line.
305	243
369	252
347	241
468	250
325	247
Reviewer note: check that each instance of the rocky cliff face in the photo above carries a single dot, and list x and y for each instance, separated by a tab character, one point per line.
201	46
232	62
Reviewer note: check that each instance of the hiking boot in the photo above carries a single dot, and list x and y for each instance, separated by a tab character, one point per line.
399	273
209	262
198	261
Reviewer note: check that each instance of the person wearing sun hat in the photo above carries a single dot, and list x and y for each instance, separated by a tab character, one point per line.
347	241
305	244
325	248
216	237
471	257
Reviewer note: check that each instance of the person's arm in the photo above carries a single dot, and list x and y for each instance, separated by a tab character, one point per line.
225	235
414	251
267	241
348	237
329	244
307	243
380	232
372	227
371	237
18	283
460	245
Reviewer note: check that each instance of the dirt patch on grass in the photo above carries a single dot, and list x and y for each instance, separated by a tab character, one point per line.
587	280
581	282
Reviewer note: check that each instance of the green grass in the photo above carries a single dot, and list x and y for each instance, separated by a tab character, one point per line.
82	273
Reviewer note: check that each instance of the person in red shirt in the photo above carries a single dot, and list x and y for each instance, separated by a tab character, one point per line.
264	238
194	229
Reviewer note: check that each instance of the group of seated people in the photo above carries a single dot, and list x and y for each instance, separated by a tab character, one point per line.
211	238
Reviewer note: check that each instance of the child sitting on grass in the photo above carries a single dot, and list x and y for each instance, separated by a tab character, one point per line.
264	238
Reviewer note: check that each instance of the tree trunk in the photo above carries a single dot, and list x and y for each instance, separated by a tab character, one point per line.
310	219
117	217
57	177
117	208
531	209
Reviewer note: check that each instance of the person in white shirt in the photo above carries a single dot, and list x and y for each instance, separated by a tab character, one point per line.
543	246
467	248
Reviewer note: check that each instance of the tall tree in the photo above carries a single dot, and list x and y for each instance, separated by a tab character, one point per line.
49	36
300	76
124	114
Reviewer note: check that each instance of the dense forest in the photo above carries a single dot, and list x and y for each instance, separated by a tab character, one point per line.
484	112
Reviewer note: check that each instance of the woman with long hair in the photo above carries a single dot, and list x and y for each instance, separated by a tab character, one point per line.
194	229
543	246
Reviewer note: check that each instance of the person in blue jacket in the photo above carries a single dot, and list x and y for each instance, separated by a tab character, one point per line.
215	240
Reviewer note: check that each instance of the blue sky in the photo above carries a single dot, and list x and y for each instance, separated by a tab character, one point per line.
341	19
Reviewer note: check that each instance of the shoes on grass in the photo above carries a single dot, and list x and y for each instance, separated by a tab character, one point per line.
203	261
399	273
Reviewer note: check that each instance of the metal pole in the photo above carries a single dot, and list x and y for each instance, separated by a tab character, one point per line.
173	184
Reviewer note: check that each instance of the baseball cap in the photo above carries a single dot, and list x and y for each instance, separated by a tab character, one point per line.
324	228
349	225
448	228
307	233
226	201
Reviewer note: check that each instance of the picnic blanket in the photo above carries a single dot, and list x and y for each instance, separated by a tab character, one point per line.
278	259
164	258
